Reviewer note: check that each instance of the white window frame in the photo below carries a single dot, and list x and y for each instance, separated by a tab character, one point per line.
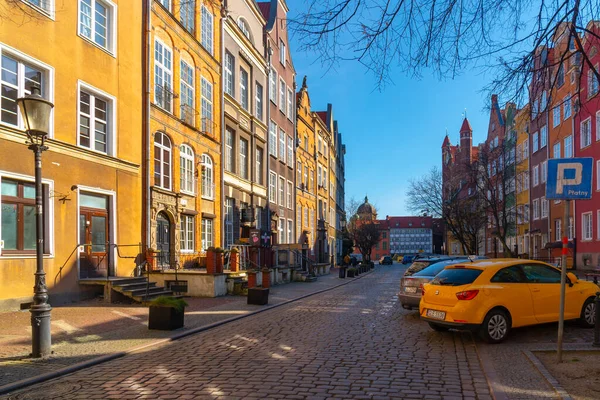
282	53
187	181
229	153
290	104
273	86
282	144
228	74
567	107
187	233
544	205
290	231
244	158
556	116
282	91
568	145
273	130
556	150
50	211
47	88
597	126
244	89
207	38
207	238
536	209
544	171
206	110
111	28
228	218
597	175
536	175
290	195
272	187
586	122
187	91
46	7
208	179
587	234
543	136
111	131
535	142
281	230
259	165
258	100
281	192
290	151
164	72
167	5
162	173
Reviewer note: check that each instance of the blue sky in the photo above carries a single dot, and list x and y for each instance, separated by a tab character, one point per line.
395	134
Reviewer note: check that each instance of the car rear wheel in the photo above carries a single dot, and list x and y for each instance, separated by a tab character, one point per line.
587	318
495	327
437	328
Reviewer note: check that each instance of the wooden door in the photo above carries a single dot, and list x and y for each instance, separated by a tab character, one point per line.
163	241
94	254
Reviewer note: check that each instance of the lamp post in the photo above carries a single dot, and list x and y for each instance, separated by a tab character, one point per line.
35	111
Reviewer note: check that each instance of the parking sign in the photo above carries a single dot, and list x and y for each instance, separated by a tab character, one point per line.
569	179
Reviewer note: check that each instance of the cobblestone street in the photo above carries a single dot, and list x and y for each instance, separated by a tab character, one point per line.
353	341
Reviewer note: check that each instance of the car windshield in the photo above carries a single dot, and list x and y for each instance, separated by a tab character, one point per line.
456	277
418	266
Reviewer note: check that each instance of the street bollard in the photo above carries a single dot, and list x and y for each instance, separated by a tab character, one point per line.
597	322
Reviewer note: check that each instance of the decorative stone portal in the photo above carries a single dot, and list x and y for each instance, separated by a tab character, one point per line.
165	216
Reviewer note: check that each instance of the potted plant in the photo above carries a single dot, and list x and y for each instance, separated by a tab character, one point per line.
351	272
166	313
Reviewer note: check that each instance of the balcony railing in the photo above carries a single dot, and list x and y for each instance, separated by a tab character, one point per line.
208	127
188	115
208	190
163	97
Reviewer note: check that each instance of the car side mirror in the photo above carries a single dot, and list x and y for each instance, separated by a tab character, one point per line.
572	278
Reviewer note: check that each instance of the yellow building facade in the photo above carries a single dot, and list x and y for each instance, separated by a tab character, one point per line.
522	171
306	190
86	60
184	130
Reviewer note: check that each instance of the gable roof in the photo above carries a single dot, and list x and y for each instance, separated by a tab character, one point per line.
466	126
265	8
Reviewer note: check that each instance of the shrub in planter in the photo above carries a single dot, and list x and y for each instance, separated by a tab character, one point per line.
351	272
219	253
166	313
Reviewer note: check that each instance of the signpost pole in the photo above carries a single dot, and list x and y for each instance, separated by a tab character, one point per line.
563	280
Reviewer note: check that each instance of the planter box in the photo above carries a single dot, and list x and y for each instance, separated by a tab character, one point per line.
351	273
342	272
165	318
258	296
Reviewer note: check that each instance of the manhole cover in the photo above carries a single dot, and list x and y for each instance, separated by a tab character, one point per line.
55	392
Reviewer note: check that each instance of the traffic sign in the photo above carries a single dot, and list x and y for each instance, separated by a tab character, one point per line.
569	179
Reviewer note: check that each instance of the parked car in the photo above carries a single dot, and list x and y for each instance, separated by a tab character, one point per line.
423	263
410	285
493	296
386	260
407	259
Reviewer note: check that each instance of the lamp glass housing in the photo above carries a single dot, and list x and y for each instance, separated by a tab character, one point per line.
36	112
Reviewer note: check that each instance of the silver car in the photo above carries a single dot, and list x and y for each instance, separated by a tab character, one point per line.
411	285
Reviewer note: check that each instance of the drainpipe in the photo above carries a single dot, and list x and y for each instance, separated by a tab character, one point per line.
146	121
269	55
224	16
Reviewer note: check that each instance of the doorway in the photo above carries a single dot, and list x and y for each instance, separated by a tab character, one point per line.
163	241
94	254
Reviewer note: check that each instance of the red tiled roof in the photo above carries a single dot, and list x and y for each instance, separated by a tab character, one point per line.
265	7
466	126
446	141
323	116
405	222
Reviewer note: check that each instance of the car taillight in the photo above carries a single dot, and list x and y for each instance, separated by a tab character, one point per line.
467	294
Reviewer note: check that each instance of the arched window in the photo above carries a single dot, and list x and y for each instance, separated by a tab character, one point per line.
207	177
243	24
186	169
162	161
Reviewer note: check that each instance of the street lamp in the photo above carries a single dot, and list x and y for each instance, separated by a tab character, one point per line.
35	111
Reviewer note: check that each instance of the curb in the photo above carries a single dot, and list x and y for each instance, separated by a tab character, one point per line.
562	393
11	387
490	374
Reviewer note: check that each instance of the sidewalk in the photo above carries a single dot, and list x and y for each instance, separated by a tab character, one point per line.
93	328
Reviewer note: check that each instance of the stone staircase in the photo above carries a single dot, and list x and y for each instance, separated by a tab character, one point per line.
139	289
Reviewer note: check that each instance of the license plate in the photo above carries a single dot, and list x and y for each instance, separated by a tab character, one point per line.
436	314
410	289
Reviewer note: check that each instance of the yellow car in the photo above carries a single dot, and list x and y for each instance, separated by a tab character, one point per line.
493	296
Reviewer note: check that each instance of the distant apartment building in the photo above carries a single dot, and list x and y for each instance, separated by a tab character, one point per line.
410	234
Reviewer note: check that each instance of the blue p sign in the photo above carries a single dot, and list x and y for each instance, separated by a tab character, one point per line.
569	178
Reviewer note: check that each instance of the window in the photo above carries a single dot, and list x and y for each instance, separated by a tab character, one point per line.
311	182
586	226
166	4
512	274
544	171
207	29
207	233
282	52
45	6
186	89
306	221
555	116
282	137
272	187
259	169
207	106
544	207
18	79
96	123
556	150
525	150
163	73
244	89
290	151
258	218
273	85
290	103
597	125
229	202
282	95
244	158
543	101
281	197
272	138
526	213
536	273
592	82
569	146
207	177
162	161
536	175
290	195
299	173
229	149
290	231
259	102
319	174
228	72
571	228
17	217
543	136
586	133
560	78
96	22
567	107
243	25
186	233
536	209
186	15
535	145
186	166
306	177
597	176
281	230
